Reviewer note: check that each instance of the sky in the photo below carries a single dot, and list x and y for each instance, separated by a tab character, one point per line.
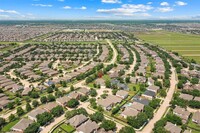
99	9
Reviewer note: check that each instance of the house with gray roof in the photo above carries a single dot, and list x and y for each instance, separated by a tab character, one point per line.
196	117
33	114
22	125
77	120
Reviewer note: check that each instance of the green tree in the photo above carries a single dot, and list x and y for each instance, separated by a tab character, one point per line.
51	98
72	103
2	122
44	118
57	111
28	107
97	117
72	88
108	84
12	118
126	129
35	103
33	128
93	92
43	99
108	125
20	111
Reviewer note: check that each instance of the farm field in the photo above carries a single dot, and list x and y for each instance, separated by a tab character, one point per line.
186	45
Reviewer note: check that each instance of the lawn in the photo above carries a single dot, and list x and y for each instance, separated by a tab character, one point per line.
64	128
184	44
193	125
67	128
9	126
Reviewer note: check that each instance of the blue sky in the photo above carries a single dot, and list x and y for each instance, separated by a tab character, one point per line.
98	9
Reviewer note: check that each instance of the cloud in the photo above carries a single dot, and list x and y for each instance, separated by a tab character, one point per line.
82	8
180	3
127	10
111	1
42	5
149	3
4	16
67	7
61	0
9	11
164	4
164	9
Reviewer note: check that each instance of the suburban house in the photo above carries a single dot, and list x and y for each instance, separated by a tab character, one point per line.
122	94
88	127
181	112
129	112
83	91
49	106
74	95
186	97
77	120
33	114
109	102
153	88
149	94
63	100
26	91
137	106
172	128
196	117
101	82
22	125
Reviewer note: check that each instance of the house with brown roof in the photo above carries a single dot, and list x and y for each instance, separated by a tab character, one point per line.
83	91
122	94
182	113
77	120
22	125
26	91
49	106
129	112
109	102
153	88
63	100
74	95
137	106
172	128
88	127
196	117
101	82
186	96
33	114
197	99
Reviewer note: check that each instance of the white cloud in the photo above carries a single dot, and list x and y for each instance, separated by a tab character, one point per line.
149	3
42	5
67	7
82	8
164	9
180	3
61	0
128	10
9	11
164	4
4	16
111	1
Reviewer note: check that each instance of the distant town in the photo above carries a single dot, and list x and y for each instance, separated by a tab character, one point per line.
99	77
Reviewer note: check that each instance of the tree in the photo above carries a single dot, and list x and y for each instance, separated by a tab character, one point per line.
93	92
194	81
83	98
138	120
126	129
57	111
70	114
58	94
28	107
20	111
163	93
72	88
72	103
49	89
115	110
2	122
12	118
108	84
155	103
174	119
33	128
108	125
35	103
44	118
97	117
34	94
43	99
10	105
51	98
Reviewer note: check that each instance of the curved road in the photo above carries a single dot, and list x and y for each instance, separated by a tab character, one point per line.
163	107
114	58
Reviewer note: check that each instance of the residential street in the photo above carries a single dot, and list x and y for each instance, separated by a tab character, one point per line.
163	107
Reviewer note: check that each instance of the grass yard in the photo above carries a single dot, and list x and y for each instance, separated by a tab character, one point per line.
193	125
9	126
185	44
64	128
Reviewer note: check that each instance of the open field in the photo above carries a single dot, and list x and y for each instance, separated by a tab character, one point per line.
186	45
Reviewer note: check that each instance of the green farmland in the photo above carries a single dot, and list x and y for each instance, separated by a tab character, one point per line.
186	45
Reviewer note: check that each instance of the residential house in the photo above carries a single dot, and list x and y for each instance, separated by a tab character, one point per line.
22	125
88	127
49	106
186	96
122	94
77	120
129	112
137	106
33	114
172	128
182	113
196	117
153	88
63	100
149	94
84	91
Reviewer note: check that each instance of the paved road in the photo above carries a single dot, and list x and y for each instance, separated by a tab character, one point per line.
114	59
132	66
163	107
